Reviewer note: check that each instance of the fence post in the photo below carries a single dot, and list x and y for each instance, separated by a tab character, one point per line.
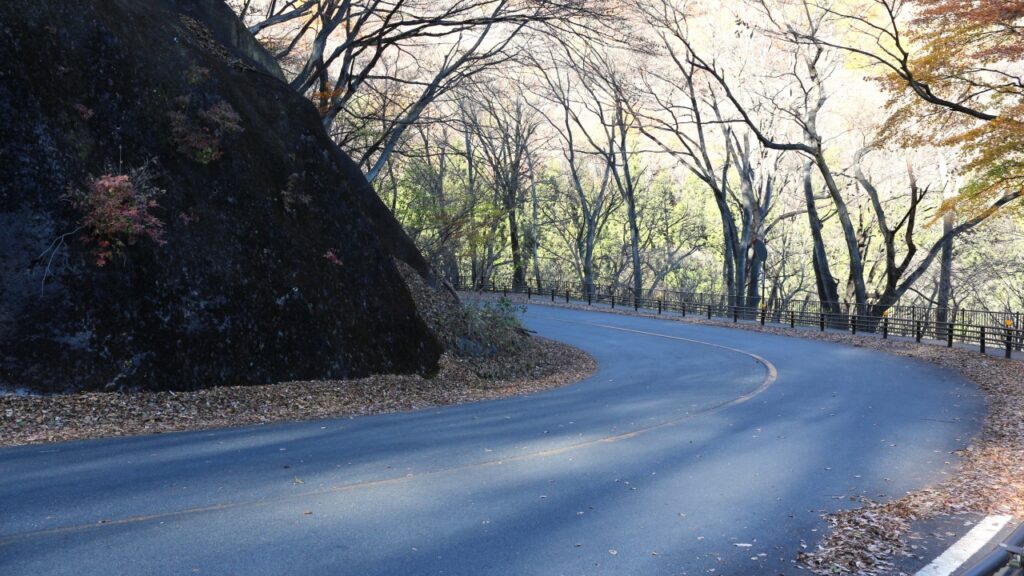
1009	343
735	314
552	294
709	311
853	322
821	321
949	335
792	319
684	308
982	339
613	300
763	312
885	327
917	331
659	306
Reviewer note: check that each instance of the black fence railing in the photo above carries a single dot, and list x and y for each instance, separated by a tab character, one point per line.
988	330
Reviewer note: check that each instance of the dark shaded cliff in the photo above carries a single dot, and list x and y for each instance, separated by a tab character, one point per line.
172	216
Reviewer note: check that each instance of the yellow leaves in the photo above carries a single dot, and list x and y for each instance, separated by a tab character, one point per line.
959	53
995	152
324	99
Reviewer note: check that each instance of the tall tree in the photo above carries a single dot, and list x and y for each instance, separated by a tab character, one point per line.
593	199
953	69
806	77
505	129
602	115
810	71
403	54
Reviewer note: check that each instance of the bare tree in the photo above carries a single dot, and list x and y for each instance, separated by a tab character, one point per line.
505	129
581	208
900	268
807	76
593	200
406	54
609	98
684	117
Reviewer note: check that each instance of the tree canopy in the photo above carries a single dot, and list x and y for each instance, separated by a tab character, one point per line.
865	152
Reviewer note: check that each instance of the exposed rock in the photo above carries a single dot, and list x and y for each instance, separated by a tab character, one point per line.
173	216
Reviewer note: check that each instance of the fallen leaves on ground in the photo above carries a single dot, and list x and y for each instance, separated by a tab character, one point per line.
38	419
989	479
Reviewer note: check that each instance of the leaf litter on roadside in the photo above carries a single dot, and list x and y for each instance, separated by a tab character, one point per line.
39	419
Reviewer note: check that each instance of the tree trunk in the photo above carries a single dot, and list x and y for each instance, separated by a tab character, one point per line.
849	233
754	283
739	252
728	248
518	274
634	241
588	261
828	288
946	268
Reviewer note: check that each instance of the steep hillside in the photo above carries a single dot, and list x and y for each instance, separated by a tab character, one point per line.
172	216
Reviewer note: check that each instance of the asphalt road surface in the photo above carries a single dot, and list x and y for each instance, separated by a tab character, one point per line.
691	449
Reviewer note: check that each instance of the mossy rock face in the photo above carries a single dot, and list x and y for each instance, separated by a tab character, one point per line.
273	258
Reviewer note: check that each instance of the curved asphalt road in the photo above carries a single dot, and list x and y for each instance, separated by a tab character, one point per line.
693	448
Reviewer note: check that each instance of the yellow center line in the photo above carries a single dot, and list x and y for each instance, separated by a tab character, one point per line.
769	379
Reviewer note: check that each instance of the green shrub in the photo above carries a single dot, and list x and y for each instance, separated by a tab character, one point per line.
491	328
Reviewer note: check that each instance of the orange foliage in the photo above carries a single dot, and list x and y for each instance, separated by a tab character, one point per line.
970	52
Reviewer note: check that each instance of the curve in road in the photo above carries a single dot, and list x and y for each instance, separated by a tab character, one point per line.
678	456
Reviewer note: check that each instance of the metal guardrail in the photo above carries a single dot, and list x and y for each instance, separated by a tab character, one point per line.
1004	560
987	330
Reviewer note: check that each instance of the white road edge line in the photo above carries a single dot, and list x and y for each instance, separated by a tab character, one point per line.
958	553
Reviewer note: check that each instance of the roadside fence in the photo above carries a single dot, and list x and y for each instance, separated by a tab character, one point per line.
985	329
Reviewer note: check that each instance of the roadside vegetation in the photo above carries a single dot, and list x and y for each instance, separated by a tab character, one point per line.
865	153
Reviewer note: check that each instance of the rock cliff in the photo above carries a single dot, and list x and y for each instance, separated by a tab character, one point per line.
173	216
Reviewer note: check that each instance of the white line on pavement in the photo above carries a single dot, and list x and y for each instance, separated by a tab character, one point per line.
965	547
